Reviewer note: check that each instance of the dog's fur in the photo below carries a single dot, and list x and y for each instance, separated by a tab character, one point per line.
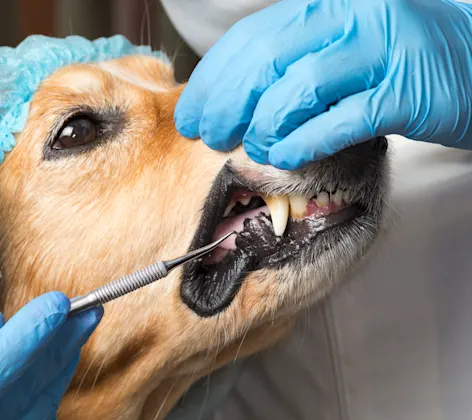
76	222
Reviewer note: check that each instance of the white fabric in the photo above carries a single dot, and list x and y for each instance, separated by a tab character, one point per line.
202	22
395	343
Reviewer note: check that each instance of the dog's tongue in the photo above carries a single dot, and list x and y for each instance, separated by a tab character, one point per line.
229	224
236	224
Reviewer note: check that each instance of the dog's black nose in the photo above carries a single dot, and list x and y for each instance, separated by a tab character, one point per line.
379	145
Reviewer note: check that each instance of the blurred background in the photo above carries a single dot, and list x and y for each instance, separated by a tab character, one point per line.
141	21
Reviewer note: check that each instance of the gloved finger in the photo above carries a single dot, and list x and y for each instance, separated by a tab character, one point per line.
45	404
67	342
307	89
28	332
2	320
49	364
71	338
189	107
226	119
353	120
221	95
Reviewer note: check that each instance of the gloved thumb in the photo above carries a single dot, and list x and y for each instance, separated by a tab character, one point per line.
353	120
2	320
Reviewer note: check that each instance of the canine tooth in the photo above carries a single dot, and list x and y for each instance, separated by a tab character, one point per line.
278	207
229	208
338	197
322	199
346	197
245	201
297	206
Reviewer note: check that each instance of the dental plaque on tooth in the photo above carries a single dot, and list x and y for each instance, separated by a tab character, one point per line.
248	205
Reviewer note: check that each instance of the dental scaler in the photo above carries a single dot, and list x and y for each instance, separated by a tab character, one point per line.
137	279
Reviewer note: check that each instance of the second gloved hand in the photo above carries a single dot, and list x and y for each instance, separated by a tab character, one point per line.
304	79
39	352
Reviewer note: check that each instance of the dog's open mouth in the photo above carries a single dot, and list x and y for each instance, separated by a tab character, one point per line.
273	228
271	232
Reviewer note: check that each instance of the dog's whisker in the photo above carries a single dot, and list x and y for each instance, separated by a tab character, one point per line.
148	18
98	372
307	323
243	338
169	391
205	399
84	376
71	31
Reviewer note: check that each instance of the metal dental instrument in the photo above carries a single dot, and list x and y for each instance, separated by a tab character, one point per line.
137	279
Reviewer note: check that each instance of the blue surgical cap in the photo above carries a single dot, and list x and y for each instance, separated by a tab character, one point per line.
23	68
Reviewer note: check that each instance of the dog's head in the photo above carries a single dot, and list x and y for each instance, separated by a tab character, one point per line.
101	184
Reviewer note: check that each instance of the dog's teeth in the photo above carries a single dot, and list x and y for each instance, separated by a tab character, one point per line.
229	208
346	197
337	198
298	205
278	207
331	187
322	199
245	201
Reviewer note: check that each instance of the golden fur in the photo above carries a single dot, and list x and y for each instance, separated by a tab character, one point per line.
76	223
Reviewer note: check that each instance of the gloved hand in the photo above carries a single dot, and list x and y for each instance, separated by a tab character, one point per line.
302	79
39	352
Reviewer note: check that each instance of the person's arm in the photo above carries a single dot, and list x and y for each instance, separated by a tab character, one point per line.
302	79
39	353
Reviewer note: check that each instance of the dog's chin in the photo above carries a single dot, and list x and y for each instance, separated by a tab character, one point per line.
314	250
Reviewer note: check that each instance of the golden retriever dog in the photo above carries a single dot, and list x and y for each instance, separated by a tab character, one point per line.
101	184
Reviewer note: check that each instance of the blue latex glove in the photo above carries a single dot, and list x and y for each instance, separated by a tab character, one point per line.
39	352
303	79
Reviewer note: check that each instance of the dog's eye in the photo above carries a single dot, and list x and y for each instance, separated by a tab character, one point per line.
77	132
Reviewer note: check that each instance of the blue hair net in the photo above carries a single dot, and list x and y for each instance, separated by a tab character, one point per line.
23	68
